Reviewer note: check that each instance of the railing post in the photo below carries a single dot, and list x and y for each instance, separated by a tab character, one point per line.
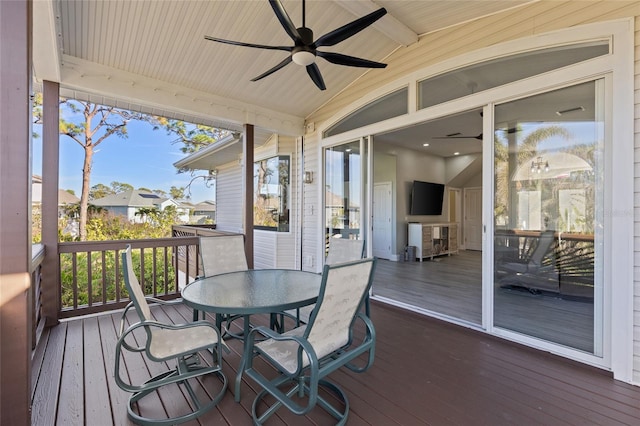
50	151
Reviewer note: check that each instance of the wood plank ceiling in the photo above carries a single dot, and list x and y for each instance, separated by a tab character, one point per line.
164	41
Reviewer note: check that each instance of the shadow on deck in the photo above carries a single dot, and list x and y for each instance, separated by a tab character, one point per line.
426	372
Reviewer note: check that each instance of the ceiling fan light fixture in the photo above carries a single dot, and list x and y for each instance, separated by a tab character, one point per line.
303	57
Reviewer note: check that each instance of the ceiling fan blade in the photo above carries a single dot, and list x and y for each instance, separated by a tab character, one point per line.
350	61
257	46
314	73
352	28
479	137
285	21
274	69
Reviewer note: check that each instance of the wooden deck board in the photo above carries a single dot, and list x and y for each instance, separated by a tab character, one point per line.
96	395
72	378
426	372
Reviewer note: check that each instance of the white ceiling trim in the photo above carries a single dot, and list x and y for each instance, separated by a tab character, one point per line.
222	152
78	74
388	24
46	50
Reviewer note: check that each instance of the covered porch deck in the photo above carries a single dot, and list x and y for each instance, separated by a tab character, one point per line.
426	372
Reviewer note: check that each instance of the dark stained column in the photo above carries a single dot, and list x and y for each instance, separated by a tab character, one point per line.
50	171
247	149
15	212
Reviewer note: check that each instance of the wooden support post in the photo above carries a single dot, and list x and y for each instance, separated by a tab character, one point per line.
50	170
247	149
15	212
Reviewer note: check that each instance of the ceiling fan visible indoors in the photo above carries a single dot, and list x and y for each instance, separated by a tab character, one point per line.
479	137
304	51
459	136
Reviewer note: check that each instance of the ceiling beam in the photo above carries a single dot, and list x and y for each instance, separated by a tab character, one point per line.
387	25
46	51
109	86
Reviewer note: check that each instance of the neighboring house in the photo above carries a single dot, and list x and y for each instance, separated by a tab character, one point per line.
65	198
128	204
185	210
204	212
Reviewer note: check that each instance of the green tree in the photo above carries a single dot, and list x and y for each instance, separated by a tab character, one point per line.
192	136
121	187
90	125
177	193
99	190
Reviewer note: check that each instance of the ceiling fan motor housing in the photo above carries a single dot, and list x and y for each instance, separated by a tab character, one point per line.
304	53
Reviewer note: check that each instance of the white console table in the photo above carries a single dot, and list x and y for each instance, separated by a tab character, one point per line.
433	239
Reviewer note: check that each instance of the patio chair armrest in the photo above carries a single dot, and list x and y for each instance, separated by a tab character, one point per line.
303	343
272	334
366	345
158	301
133	327
370	331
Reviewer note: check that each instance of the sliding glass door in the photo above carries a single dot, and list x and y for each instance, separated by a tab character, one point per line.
548	216
343	191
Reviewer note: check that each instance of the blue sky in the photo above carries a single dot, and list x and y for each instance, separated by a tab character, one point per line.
144	159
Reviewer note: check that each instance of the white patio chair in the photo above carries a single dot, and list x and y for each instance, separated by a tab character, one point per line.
340	250
305	355
184	343
221	254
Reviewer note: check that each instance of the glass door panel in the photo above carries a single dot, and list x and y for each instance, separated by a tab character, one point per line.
343	186
548	216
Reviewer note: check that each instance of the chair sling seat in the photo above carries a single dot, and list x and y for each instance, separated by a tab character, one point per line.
170	343
221	254
184	343
305	355
340	250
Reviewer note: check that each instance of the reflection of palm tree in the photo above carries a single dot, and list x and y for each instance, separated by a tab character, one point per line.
526	151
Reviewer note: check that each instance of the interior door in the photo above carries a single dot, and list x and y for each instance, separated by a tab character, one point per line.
473	218
382	205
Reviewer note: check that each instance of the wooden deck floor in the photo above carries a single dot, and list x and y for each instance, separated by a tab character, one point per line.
426	372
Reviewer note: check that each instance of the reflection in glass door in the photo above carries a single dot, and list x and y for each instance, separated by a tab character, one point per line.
343	186
548	216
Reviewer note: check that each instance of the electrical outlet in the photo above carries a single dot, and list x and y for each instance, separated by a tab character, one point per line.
308	261
310	127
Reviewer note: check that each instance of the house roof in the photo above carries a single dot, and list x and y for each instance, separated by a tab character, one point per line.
130	198
206	205
152	56
65	197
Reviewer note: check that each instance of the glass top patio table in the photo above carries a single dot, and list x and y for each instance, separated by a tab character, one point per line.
253	292
250	292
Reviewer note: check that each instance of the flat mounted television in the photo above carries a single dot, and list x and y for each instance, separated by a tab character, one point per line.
426	198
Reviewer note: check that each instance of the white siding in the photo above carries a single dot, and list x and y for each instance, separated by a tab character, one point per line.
636	278
281	249
312	226
229	190
288	243
265	248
